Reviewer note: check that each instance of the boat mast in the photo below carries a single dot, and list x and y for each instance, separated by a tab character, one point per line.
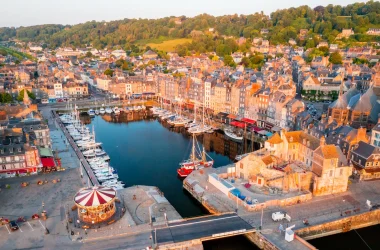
193	156
195	112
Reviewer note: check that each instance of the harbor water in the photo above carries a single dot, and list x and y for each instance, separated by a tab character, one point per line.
145	152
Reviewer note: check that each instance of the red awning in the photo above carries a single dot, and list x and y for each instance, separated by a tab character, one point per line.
250	121
47	162
237	124
256	129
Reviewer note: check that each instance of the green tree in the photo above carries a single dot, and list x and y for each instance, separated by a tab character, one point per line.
6	98
335	58
108	72
229	61
20	96
88	54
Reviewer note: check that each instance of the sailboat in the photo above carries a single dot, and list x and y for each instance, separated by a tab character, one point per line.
187	166
102	111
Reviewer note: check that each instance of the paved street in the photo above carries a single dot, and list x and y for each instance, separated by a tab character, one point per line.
201	228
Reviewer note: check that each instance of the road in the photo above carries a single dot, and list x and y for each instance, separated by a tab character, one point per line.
138	241
200	228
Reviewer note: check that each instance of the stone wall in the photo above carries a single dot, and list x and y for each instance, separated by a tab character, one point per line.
342	225
274	202
261	242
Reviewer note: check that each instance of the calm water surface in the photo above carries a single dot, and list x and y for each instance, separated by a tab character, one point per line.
146	153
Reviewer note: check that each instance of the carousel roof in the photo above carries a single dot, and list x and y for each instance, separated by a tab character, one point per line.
94	196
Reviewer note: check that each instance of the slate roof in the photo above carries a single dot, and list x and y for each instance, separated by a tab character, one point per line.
364	149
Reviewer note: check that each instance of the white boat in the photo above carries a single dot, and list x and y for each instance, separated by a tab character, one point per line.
102	111
91	112
230	134
116	110
77	137
97	112
113	181
90	145
108	110
199	129
108	177
115	186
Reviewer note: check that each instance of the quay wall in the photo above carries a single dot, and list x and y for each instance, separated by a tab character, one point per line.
345	224
273	203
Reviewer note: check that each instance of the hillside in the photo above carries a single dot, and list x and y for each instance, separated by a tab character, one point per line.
169	45
326	22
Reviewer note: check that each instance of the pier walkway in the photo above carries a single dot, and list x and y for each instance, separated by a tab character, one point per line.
94	181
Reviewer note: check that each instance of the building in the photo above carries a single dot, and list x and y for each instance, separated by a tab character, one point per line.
373	32
346	33
331	170
150	55
375	135
17	156
366	160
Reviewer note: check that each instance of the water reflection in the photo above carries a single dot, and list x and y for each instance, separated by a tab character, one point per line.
213	142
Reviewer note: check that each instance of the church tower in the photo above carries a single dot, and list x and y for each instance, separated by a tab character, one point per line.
26	99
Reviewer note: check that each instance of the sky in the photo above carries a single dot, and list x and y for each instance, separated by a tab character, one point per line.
15	13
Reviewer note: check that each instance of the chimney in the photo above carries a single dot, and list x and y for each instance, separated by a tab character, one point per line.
26	138
362	133
322	141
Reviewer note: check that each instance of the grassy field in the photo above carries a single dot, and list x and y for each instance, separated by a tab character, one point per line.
169	46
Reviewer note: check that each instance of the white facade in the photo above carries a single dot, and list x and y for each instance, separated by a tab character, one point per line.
58	90
103	83
208	94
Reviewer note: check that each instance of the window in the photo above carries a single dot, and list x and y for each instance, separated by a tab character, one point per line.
241	165
331	173
4	167
360	162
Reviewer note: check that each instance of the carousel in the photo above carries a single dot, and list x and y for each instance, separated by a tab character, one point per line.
95	204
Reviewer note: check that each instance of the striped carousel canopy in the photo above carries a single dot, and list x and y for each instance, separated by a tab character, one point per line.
94	196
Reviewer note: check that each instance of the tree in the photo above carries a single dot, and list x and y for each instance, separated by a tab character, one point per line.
108	72
229	61
88	54
335	58
245	61
6	98
20	96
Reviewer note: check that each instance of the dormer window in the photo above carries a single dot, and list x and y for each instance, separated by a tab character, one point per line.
19	150
31	128
11	150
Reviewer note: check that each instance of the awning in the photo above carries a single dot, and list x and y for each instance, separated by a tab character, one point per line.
247	120
231	116
235	192
48	162
237	124
263	132
256	129
45	152
276	129
222	114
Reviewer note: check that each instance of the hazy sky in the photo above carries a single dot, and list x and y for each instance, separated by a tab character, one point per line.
32	12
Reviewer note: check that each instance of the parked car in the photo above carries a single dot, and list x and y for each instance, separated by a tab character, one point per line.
279	216
13	225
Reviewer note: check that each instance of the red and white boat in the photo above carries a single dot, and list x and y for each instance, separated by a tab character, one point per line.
188	166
